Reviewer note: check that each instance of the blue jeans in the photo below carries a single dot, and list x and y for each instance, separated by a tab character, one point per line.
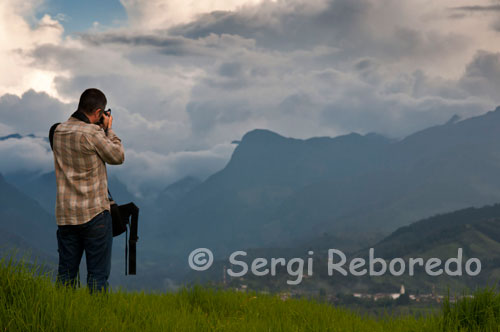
96	238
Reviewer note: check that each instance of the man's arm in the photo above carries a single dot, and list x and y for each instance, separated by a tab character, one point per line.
108	146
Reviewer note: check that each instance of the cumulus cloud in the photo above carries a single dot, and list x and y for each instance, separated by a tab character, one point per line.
482	75
16	35
32	113
25	154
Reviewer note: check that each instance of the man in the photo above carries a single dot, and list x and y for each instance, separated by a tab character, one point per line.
82	146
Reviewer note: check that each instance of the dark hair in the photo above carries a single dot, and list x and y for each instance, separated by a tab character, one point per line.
92	99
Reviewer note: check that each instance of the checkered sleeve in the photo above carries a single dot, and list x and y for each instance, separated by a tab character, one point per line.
108	146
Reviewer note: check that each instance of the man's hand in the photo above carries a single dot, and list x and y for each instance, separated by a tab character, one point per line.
106	121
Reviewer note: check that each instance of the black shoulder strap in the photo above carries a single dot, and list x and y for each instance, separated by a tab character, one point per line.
51	134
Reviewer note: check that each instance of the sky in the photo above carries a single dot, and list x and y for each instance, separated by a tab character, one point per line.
186	78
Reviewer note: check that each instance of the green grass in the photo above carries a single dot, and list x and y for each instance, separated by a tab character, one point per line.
29	301
478	313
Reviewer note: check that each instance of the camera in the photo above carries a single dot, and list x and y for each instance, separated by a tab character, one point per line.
108	113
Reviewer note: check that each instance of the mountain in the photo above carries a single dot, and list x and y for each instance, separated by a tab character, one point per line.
43	188
264	169
119	191
24	223
475	230
278	191
153	212
14	245
169	196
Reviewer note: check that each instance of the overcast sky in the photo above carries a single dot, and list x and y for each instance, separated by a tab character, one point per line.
185	78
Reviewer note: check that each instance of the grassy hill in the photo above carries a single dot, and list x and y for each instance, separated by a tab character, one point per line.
31	302
475	230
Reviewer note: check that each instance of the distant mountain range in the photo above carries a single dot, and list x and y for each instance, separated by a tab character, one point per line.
278	191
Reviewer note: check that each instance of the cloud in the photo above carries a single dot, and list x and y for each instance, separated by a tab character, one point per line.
491	8
210	45
146	172
356	28
25	154
6	130
16	35
482	75
394	114
487	13
33	112
163	13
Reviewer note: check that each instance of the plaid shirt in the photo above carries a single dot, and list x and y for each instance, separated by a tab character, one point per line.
81	150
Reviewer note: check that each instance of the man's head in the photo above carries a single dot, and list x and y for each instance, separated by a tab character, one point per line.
92	104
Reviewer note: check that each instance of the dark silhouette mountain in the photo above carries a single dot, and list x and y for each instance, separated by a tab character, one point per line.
277	190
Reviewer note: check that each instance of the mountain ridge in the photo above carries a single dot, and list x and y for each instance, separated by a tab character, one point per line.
273	185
